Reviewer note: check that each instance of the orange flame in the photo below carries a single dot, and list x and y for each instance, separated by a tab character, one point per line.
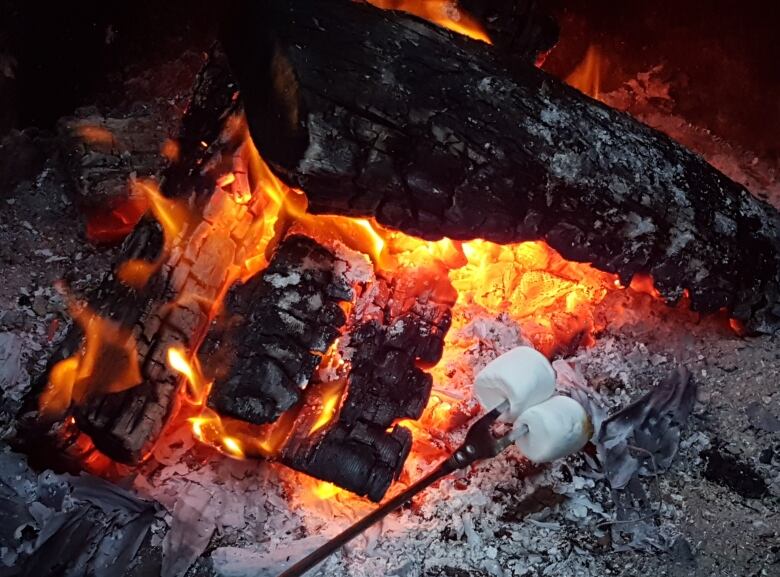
107	363
445	13
173	217
586	77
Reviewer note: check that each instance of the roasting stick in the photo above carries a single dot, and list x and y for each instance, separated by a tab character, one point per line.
518	387
479	444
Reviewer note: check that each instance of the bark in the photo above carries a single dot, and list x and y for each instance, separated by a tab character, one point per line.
376	113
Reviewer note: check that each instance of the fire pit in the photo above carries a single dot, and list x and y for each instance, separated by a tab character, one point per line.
362	206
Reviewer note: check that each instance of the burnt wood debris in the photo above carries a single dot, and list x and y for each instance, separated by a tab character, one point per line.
379	113
405	329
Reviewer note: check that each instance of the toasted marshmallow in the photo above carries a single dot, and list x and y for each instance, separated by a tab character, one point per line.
522	376
553	429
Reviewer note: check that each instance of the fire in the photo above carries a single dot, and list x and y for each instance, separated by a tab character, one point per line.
196	387
114	222
173	218
550	299
586	77
445	13
107	363
324	491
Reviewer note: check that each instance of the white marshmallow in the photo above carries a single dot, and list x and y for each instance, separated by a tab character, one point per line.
523	376
553	429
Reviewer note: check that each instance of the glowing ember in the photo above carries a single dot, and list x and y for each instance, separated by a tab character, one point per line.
445	13
117	220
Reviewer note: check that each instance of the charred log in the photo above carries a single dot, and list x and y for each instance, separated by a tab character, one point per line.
281	322
363	458
386	382
124	425
430	133
401	325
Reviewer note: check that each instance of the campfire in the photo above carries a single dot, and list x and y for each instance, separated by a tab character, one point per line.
366	203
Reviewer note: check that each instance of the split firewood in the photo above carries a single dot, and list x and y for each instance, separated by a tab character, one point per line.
279	325
378	113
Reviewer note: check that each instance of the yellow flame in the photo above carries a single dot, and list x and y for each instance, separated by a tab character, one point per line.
178	361
232	446
173	217
323	490
330	401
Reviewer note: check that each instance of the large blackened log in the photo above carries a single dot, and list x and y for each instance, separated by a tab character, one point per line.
377	113
279	325
125	425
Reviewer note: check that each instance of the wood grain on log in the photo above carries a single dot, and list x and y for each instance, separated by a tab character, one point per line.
377	113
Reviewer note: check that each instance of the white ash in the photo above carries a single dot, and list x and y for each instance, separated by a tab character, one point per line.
278	280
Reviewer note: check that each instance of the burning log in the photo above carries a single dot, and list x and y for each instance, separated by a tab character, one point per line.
377	113
402	324
364	459
278	326
284	320
124	424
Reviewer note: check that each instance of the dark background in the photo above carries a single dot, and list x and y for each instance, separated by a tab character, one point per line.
722	57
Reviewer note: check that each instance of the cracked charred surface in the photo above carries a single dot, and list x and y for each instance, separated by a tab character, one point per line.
281	324
377	113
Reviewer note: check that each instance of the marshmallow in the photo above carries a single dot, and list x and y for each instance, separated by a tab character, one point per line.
523	376
553	429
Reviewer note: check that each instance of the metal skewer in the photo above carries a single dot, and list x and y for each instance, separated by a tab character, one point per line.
479	444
